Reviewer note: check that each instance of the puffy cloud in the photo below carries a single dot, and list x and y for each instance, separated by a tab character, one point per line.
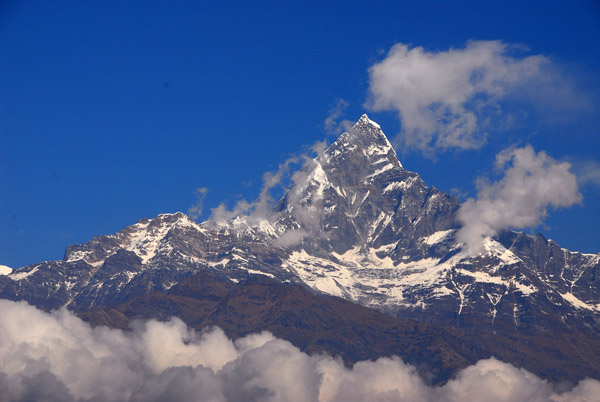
387	379
532	182
447	99
57	357
493	381
168	344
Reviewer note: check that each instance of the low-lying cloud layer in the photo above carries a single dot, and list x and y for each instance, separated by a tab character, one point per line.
448	99
58	357
532	182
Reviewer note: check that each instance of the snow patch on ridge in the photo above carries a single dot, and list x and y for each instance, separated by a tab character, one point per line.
381	170
577	303
356	258
319	176
365	119
143	238
484	277
20	275
380	223
371	277
437	237
366	277
400	185
496	249
145	242
256	272
321	274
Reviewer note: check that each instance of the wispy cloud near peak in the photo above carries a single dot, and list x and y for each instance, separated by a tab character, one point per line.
333	125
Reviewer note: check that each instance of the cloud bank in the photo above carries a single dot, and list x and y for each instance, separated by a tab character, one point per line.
447	99
532	182
58	357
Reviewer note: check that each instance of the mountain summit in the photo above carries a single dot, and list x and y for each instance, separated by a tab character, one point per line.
356	225
367	137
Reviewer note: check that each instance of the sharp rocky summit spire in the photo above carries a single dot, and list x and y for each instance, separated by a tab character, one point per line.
365	137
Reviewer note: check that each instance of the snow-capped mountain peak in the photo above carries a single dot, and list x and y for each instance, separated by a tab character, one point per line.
355	225
366	138
364	120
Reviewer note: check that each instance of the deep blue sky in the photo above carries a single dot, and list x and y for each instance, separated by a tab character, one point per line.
112	111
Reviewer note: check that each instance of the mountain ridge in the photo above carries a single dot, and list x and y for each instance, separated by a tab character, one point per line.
355	224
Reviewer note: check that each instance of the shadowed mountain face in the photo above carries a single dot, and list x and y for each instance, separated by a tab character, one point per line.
358	226
318	323
315	323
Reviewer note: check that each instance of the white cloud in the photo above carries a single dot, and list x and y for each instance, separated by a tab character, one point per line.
308	215
334	126
387	379
308	211
531	183
262	207
588	172
290	237
493	381
57	357
447	99
195	210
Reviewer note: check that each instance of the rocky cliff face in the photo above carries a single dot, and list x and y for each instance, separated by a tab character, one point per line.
356	225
